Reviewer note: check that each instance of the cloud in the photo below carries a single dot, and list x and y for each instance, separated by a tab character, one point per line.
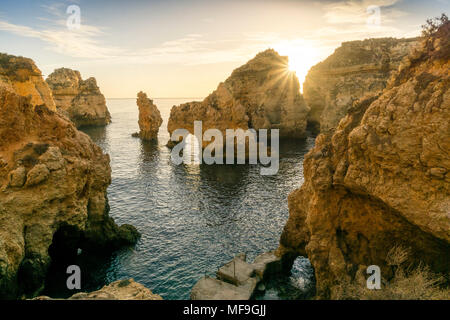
343	20
353	12
80	43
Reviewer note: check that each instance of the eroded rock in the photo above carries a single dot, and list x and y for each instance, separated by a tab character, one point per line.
53	180
81	100
22	76
354	70
149	118
118	290
262	94
368	185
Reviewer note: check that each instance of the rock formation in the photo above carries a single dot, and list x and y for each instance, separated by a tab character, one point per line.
149	118
21	76
80	99
381	179
53	182
355	69
262	94
118	290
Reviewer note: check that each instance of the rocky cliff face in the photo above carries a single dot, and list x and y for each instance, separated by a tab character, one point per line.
381	179
53	182
149	117
22	76
354	70
262	94
80	99
118	290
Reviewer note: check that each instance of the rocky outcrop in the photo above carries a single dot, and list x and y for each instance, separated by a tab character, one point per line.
118	290
354	70
237	279
81	100
262	94
22	76
382	179
53	182
149	118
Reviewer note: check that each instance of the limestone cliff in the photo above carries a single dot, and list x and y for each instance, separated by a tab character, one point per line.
149	117
53	182
22	76
262	94
118	290
81	99
355	69
382	178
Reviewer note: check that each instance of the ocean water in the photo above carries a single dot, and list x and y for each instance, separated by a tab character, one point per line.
193	218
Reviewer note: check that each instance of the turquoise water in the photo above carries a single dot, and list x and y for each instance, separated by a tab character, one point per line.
193	218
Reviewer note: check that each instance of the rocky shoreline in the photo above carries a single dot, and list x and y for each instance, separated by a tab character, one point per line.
377	177
53	182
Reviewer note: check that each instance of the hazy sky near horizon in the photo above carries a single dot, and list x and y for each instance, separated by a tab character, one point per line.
185	48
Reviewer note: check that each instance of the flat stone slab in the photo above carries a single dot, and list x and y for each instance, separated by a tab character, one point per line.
213	289
237	279
237	271
266	263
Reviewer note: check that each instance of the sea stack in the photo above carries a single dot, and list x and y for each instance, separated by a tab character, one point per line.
381	179
149	118
80	100
53	182
262	94
354	70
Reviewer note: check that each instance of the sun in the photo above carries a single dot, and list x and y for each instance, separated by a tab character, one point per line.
301	57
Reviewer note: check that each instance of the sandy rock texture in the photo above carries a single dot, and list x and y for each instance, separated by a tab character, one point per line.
262	94
119	290
22	76
53	182
382	178
354	70
81	100
149	117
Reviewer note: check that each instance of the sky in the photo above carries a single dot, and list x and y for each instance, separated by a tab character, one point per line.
185	48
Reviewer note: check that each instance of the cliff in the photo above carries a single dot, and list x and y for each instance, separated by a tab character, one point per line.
354	70
53	182
149	117
118	290
22	76
80	99
262	94
381	179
